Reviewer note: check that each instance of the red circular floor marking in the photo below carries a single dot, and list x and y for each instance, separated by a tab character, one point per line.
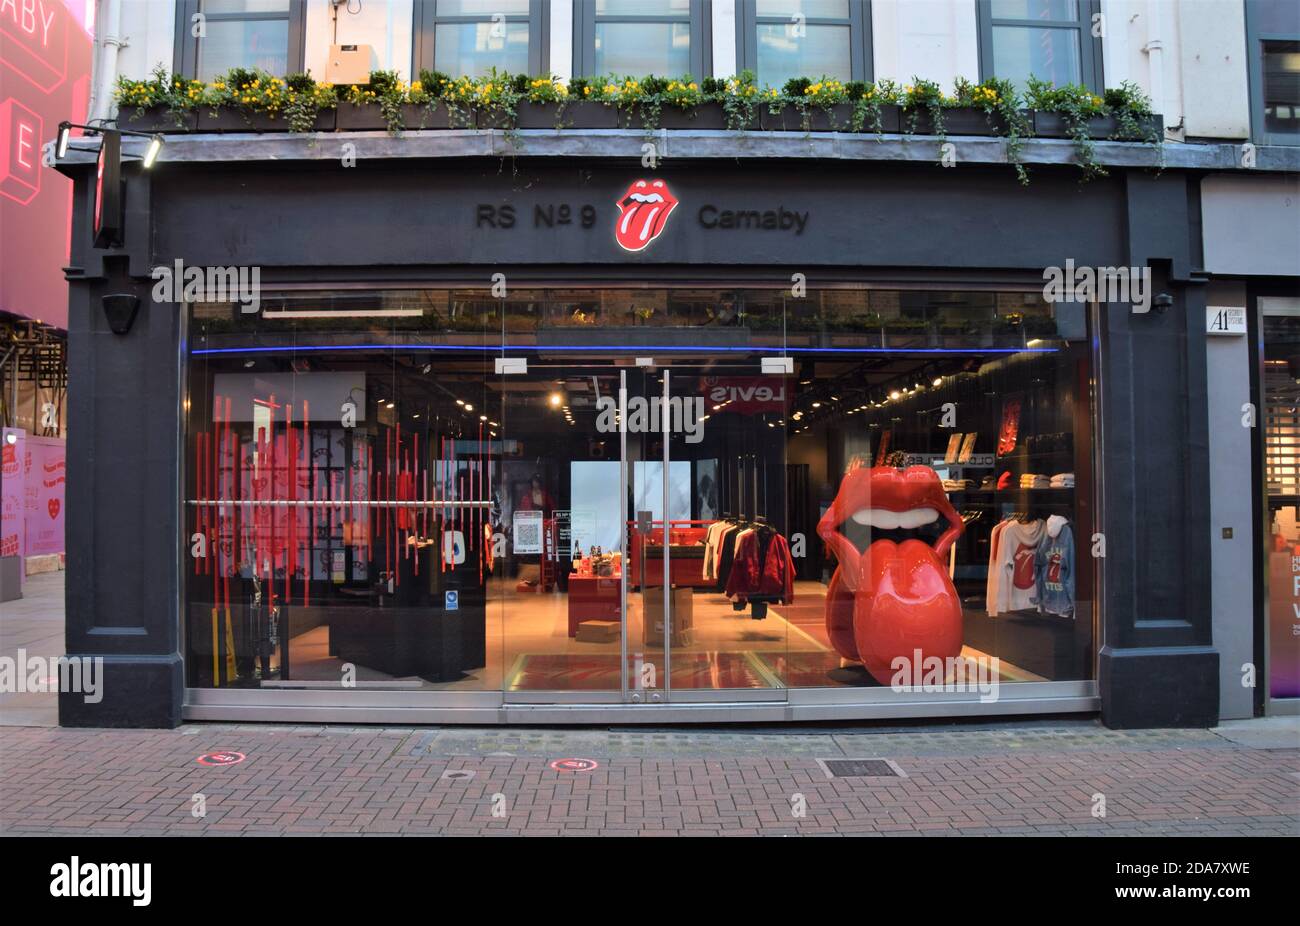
221	758
575	765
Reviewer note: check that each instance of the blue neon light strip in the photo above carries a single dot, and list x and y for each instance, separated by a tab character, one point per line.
631	348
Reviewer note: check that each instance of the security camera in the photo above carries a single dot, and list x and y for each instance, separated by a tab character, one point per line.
1162	302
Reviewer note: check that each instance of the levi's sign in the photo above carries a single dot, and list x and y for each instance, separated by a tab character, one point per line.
744	395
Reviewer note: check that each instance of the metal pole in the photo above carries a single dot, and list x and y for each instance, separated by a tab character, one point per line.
668	653
623	527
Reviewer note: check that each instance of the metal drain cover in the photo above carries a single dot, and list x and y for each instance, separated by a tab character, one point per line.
861	768
459	774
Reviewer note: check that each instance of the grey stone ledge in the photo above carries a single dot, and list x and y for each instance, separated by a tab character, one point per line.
680	144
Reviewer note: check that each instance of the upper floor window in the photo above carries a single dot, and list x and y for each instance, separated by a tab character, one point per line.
1273	52
780	39
639	37
265	34
468	38
1049	39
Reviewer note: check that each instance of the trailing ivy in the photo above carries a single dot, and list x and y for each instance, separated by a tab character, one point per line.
1076	105
304	101
1001	104
1134	118
740	99
925	95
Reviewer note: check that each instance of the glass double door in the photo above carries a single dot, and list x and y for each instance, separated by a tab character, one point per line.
618	478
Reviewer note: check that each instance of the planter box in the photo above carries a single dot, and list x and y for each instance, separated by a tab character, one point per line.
704	116
369	117
958	121
154	119
1054	125
359	118
839	118
232	120
580	114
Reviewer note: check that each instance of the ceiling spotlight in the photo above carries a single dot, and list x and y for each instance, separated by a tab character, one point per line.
556	399
426	368
389	405
938	381
65	133
895	394
248	364
817	405
482	417
468	407
460	401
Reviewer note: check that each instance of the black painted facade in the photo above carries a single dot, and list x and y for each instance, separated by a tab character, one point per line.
386	221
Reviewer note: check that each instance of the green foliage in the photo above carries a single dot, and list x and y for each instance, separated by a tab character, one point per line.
1076	105
298	99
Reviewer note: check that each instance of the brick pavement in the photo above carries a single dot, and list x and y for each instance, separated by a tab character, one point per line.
988	779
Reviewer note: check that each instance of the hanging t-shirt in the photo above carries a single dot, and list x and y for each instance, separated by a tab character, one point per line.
1017	548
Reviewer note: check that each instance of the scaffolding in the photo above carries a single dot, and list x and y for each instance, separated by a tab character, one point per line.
33	376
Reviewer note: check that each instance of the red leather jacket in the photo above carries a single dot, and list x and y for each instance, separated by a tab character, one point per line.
772	578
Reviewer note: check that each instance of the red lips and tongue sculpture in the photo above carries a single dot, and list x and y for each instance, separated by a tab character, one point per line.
643	211
894	599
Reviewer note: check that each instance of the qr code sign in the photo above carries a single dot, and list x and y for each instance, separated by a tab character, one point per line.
528	534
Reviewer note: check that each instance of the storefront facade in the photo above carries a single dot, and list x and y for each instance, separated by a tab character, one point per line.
427	480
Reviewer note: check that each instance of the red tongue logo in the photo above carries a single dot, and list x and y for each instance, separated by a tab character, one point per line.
642	214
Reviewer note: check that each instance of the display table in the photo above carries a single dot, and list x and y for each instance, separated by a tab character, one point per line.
593	598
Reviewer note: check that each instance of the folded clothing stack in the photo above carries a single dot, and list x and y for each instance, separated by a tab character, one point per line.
1063	481
958	485
1035	481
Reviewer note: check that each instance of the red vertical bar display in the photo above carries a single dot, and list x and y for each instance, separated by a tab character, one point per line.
198	490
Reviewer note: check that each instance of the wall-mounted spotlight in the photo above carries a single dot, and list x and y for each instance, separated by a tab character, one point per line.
156	141
108	175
